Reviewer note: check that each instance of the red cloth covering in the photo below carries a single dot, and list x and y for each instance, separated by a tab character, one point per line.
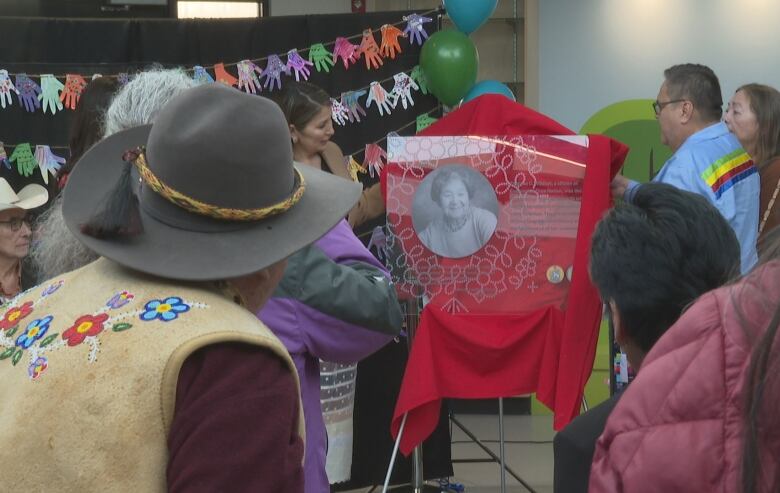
549	350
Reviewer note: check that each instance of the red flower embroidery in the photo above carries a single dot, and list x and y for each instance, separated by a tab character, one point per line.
84	326
14	315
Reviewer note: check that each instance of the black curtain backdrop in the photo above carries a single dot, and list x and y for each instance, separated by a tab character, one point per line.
87	46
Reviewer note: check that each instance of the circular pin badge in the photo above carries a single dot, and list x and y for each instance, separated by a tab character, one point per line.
555	274
568	273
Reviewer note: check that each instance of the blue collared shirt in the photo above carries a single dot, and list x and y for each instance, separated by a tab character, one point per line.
713	164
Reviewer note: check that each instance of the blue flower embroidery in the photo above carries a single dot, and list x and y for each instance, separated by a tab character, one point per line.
34	331
165	310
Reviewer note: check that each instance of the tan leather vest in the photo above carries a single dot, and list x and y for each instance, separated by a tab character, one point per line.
89	364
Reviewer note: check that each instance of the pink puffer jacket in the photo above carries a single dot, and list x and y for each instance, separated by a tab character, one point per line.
678	427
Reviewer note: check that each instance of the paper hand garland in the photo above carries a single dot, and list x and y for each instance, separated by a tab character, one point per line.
201	76
351	101
321	57
25	161
416	28
377	94
74	85
48	162
300	66
338	112
370	50
223	77
403	89
247	76
424	121
419	77
50	93
28	92
390	46
375	159
354	168
379	241
4	157
273	72
345	50
6	88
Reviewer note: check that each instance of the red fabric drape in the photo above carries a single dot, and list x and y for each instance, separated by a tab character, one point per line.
547	351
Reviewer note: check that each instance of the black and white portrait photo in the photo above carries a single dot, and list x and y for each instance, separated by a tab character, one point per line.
455	211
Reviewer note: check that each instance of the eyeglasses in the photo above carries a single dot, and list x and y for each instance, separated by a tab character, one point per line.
659	106
15	224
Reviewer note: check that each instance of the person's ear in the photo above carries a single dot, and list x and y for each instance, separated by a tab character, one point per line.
617	323
686	111
294	136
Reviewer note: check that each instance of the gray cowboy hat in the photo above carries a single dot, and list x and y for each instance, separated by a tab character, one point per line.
220	148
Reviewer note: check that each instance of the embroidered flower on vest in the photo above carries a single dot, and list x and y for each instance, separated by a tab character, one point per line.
34	331
84	326
13	316
51	288
37	367
165	310
120	299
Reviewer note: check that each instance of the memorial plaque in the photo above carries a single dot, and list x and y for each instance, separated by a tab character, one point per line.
484	224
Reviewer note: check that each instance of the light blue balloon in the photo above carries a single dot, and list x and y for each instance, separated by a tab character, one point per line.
488	87
468	15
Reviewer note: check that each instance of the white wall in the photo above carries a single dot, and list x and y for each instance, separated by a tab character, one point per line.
303	7
596	52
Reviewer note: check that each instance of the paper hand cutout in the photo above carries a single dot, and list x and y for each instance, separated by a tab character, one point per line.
403	89
28	92
74	85
350	100
48	162
4	156
6	88
377	94
25	161
390	45
123	78
338	112
300	66
424	121
50	93
415	28
370	50
419	77
247	76
201	75
354	168
379	241
375	159
345	50
273	72
223	77
322	58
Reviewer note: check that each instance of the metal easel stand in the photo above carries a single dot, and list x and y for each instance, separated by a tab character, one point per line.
500	459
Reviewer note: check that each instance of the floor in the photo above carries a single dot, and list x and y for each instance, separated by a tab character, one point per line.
528	452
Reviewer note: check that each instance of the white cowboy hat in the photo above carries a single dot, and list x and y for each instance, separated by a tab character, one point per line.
29	197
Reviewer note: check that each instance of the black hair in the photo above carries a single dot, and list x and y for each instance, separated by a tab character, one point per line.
655	256
699	84
88	118
447	174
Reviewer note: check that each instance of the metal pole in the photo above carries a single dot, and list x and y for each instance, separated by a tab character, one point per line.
412	322
501	443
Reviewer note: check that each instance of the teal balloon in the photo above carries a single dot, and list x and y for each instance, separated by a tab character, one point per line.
450	62
468	15
489	87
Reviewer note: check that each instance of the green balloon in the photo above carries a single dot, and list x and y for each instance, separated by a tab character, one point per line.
449	61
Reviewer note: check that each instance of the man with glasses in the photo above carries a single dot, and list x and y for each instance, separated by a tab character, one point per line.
708	159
